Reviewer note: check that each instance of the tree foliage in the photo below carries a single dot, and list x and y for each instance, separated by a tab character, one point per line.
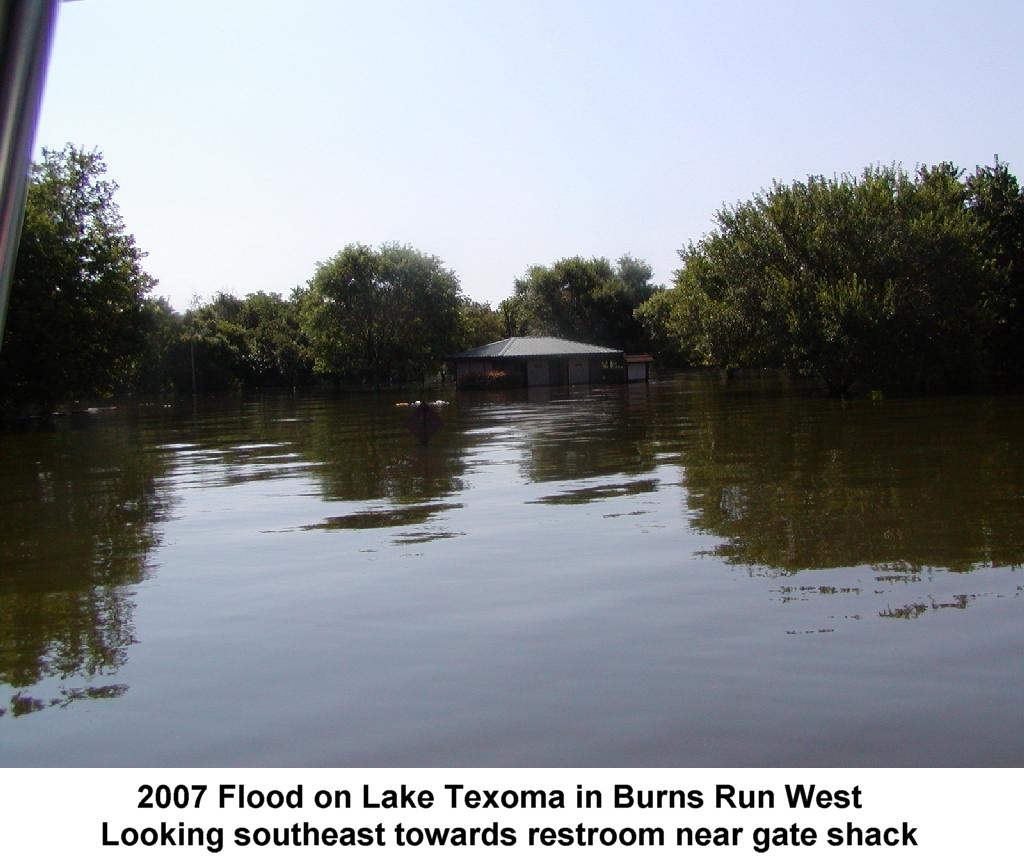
586	300
887	279
160	363
380	316
659	321
277	352
478	324
251	341
514	317
996	201
75	321
880	279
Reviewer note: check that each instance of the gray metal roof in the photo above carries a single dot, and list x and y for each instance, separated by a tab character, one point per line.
518	348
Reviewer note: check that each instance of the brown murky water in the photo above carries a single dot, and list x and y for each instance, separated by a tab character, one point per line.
679	574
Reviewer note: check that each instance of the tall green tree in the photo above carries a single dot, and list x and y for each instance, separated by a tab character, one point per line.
216	343
161	365
381	315
277	353
514	317
76	307
658	321
996	201
587	300
873	279
479	324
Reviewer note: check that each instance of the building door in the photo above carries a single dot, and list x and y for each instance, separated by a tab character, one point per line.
538	373
579	371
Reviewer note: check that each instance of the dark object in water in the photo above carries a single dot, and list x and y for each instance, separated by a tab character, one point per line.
424	422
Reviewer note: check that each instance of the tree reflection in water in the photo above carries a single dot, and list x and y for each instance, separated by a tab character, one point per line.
782	481
791	484
82	511
777	481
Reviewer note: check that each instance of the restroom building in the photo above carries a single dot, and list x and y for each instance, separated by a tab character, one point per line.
539	361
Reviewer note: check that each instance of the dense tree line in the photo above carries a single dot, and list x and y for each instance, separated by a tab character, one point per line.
885	279
222	344
588	300
83	322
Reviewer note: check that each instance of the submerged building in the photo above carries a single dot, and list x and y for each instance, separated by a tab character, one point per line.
517	362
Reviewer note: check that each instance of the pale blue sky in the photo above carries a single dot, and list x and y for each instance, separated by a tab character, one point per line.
252	139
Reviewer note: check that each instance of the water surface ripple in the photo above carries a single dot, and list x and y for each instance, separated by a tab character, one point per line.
687	573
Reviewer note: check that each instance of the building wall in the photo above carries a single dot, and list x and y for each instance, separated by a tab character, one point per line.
490	373
636	371
537	371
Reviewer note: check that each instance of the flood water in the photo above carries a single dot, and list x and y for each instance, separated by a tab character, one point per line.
686	573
